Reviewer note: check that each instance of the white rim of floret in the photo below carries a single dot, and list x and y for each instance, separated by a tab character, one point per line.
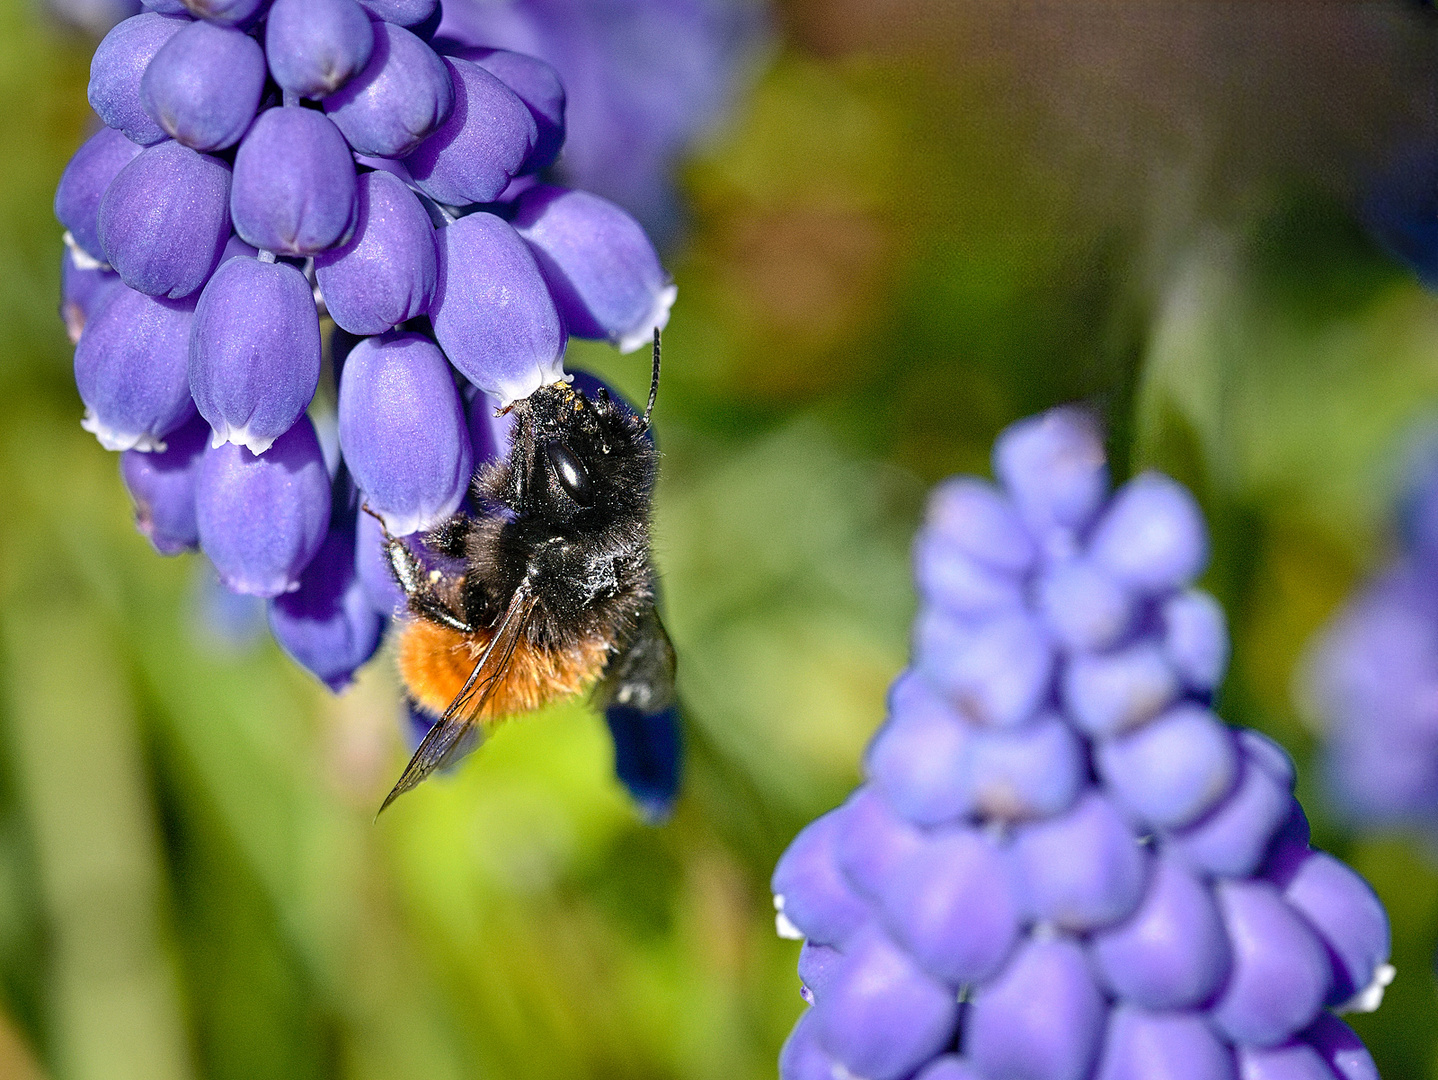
111	439
782	926
419	520
241	436
81	258
542	374
1371	996
656	318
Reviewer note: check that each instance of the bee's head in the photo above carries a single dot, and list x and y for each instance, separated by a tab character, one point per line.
578	459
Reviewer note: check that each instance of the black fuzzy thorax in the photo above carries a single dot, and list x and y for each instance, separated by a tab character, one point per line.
587	566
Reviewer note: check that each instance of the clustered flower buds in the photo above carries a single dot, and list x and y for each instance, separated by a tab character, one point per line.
1063	864
1373	675
267	167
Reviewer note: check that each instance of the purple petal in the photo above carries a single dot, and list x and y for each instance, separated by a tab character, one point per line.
1084	869
997	672
1162	1046
204	85
974	518
262	518
959	584
1291	1061
537	85
327	626
1173	770
492	312
810	893
1033	772
603	271
294	190
162	486
403	94
917	760
873	841
953	905
1086	608
130	368
1233	838
1053	467
802	1058
316	46
1152	536
118	66
254	351
1041	1019
1109	693
881	1016
165	218
84	183
403	431
1348	916
1281	972
387	272
1172	953
1195	639
817	967
472	156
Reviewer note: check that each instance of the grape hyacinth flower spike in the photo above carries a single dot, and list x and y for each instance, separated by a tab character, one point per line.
1062	864
275	174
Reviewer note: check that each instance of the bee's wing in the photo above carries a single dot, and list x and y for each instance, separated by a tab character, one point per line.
642	709
447	739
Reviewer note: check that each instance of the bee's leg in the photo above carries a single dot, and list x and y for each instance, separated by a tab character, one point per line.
417	583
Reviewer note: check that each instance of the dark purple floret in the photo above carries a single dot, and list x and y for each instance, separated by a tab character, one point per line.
316	46
162	486
402	95
294	190
118	67
81	291
401	12
84	182
204	85
241	13
537	85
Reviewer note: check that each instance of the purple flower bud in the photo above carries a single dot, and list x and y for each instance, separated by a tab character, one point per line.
996	672
1349	917
1034	772
262	518
401	12
604	273
403	94
972	517
873	842
386	273
326	625
316	46
1289	847
165	218
537	85
949	1067
1144	1045
1234	837
81	292
917	760
240	13
1340	1048
130	368
960	584
118	66
1110	693
403	431
471	157
1269	756
810	893
1043	1017
294	189
1173	770
492	312
881	1016
84	183
1084	869
254	352
817	966
1053	468
204	84
1172	953
1291	1061
1281	972
802	1058
1195	639
1152	536
372	567
953	905
1087	609
162	485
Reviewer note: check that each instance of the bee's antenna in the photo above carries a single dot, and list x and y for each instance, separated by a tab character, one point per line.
653	386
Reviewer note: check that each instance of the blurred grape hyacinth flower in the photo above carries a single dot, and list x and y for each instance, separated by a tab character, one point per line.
265	169
1062	864
1371	676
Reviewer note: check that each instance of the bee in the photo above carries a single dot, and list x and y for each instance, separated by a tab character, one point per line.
556	592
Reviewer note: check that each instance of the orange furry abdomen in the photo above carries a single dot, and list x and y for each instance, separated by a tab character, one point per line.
435	661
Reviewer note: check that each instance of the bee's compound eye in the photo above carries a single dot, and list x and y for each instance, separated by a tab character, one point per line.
570	471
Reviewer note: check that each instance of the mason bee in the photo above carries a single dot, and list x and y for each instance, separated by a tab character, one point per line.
556	594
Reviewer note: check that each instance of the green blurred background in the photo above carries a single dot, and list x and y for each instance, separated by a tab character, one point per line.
926	220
